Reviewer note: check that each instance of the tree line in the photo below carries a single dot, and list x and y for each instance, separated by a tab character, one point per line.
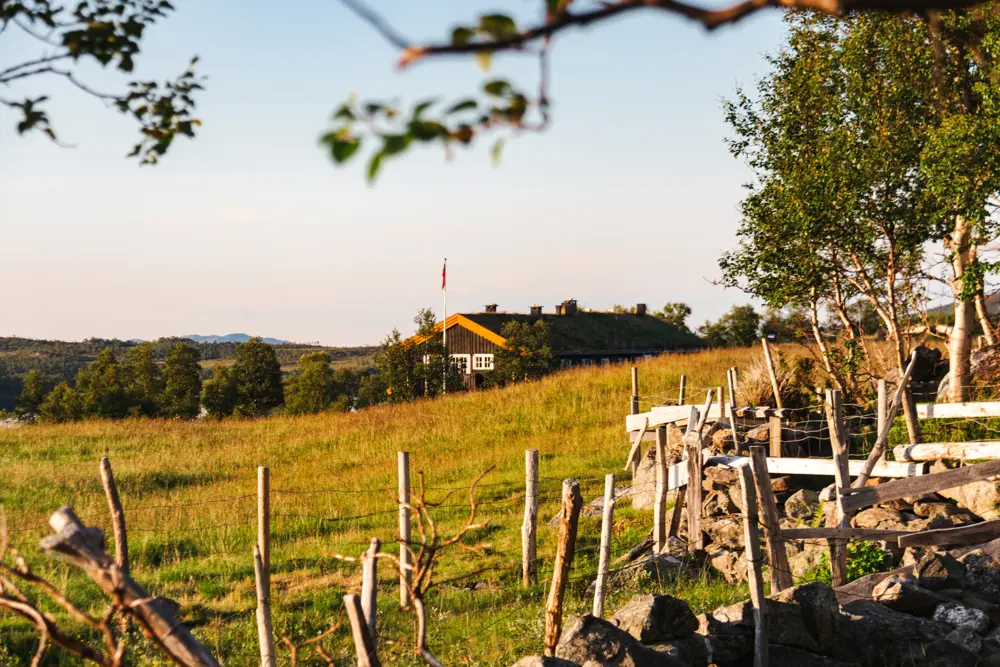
139	386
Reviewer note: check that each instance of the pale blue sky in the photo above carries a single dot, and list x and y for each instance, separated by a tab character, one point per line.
629	197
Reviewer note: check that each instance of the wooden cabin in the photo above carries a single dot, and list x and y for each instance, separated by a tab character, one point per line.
578	337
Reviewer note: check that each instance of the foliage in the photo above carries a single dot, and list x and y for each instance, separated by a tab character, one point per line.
32	394
315	387
425	319
675	313
101	389
182	382
864	558
257	375
786	325
62	404
143	381
219	395
740	327
526	353
109	35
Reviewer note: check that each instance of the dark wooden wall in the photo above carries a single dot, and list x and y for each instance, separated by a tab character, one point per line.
463	341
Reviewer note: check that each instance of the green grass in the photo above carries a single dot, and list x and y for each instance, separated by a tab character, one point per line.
188	491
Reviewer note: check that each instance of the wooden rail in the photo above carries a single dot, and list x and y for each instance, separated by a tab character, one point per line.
933	451
946	410
856	498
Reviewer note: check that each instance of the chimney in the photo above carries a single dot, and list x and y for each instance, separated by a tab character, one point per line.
640	309
490	308
568	307
536	311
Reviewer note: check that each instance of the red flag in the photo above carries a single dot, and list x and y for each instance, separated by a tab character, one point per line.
444	279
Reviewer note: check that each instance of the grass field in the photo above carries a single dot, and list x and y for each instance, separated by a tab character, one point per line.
188	491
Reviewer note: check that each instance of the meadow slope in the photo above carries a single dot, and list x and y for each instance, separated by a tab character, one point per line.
188	490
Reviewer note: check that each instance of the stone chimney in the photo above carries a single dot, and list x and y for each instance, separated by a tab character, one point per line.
490	308
640	309
567	307
536	311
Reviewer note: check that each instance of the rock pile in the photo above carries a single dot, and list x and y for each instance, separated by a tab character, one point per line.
943	611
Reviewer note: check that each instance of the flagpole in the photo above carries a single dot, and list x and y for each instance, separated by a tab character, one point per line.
444	324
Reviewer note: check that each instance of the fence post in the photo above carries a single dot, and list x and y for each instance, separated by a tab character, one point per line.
731	382
692	443
781	574
529	528
770	372
635	391
405	575
883	407
117	515
571	504
265	632
751	538
736	383
722	403
681	396
774	431
369	586
363	644
605	553
839	445
660	500
264	523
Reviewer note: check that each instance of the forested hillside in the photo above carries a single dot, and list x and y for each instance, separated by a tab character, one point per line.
60	360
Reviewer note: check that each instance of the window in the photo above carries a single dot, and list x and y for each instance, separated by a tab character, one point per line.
482	362
586	362
427	358
605	361
461	362
566	363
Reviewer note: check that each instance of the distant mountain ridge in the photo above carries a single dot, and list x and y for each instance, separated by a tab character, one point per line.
234	338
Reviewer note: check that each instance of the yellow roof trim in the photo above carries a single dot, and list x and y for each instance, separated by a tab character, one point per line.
464	322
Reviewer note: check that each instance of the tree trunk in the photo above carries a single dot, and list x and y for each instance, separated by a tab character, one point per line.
824	350
984	319
960	340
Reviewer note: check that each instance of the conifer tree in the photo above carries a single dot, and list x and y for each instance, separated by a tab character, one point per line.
143	381
32	394
100	387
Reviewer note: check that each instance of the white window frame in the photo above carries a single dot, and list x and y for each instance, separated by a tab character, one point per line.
482	362
457	359
605	361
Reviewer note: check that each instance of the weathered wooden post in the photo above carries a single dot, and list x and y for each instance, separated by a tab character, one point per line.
369	587
731	382
660	500
751	538
635	391
774	436
264	522
571	504
736	383
604	555
692	445
529	527
681	397
117	515
405	574
781	574
722	402
771	374
842	480
265	631
364	645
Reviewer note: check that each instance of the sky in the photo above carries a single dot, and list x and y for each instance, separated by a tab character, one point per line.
629	197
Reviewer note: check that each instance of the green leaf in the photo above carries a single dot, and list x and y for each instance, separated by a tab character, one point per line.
463	105
497	88
344	113
427	130
497	25
374	165
343	149
484	59
496	151
422	107
461	35
395	143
